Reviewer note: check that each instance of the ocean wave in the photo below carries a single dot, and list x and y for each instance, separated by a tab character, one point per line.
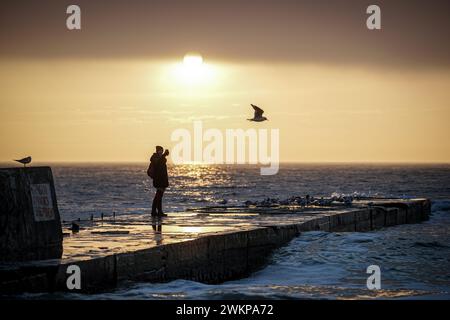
431	244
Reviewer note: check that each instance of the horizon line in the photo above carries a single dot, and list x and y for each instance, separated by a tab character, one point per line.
233	164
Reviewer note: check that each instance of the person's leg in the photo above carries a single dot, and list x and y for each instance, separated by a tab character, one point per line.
161	193
155	203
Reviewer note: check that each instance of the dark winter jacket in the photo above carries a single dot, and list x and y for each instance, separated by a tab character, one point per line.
160	178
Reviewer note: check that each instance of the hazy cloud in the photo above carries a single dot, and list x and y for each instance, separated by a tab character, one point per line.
414	33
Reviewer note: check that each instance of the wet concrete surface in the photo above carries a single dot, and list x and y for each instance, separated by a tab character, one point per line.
128	233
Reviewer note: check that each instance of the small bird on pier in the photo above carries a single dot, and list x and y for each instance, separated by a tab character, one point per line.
258	114
24	161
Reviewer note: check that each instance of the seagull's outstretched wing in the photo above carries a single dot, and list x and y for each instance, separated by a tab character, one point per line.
258	111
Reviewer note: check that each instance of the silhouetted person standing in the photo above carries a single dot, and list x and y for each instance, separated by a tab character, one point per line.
158	172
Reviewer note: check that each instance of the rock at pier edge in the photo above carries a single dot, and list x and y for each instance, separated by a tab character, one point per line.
209	245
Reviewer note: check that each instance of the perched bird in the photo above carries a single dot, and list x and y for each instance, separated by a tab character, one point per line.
258	114
24	161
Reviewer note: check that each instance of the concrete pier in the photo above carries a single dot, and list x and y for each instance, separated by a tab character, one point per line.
205	245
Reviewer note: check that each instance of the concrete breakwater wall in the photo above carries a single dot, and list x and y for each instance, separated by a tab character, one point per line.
30	226
211	258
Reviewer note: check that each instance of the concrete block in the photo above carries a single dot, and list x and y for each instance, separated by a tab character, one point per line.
228	255
343	222
362	220
378	217
426	209
308	225
260	243
391	216
322	223
26	283
185	257
146	264
29	218
414	212
402	215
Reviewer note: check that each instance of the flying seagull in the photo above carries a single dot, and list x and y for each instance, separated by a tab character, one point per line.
258	114
24	161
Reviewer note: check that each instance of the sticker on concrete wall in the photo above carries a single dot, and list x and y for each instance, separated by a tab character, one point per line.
41	197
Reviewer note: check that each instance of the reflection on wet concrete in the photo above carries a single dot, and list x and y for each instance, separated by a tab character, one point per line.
126	233
157	229
134	232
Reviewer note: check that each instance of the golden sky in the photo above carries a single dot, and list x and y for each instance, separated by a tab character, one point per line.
332	101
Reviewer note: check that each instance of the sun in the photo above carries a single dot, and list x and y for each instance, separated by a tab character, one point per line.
193	70
191	60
